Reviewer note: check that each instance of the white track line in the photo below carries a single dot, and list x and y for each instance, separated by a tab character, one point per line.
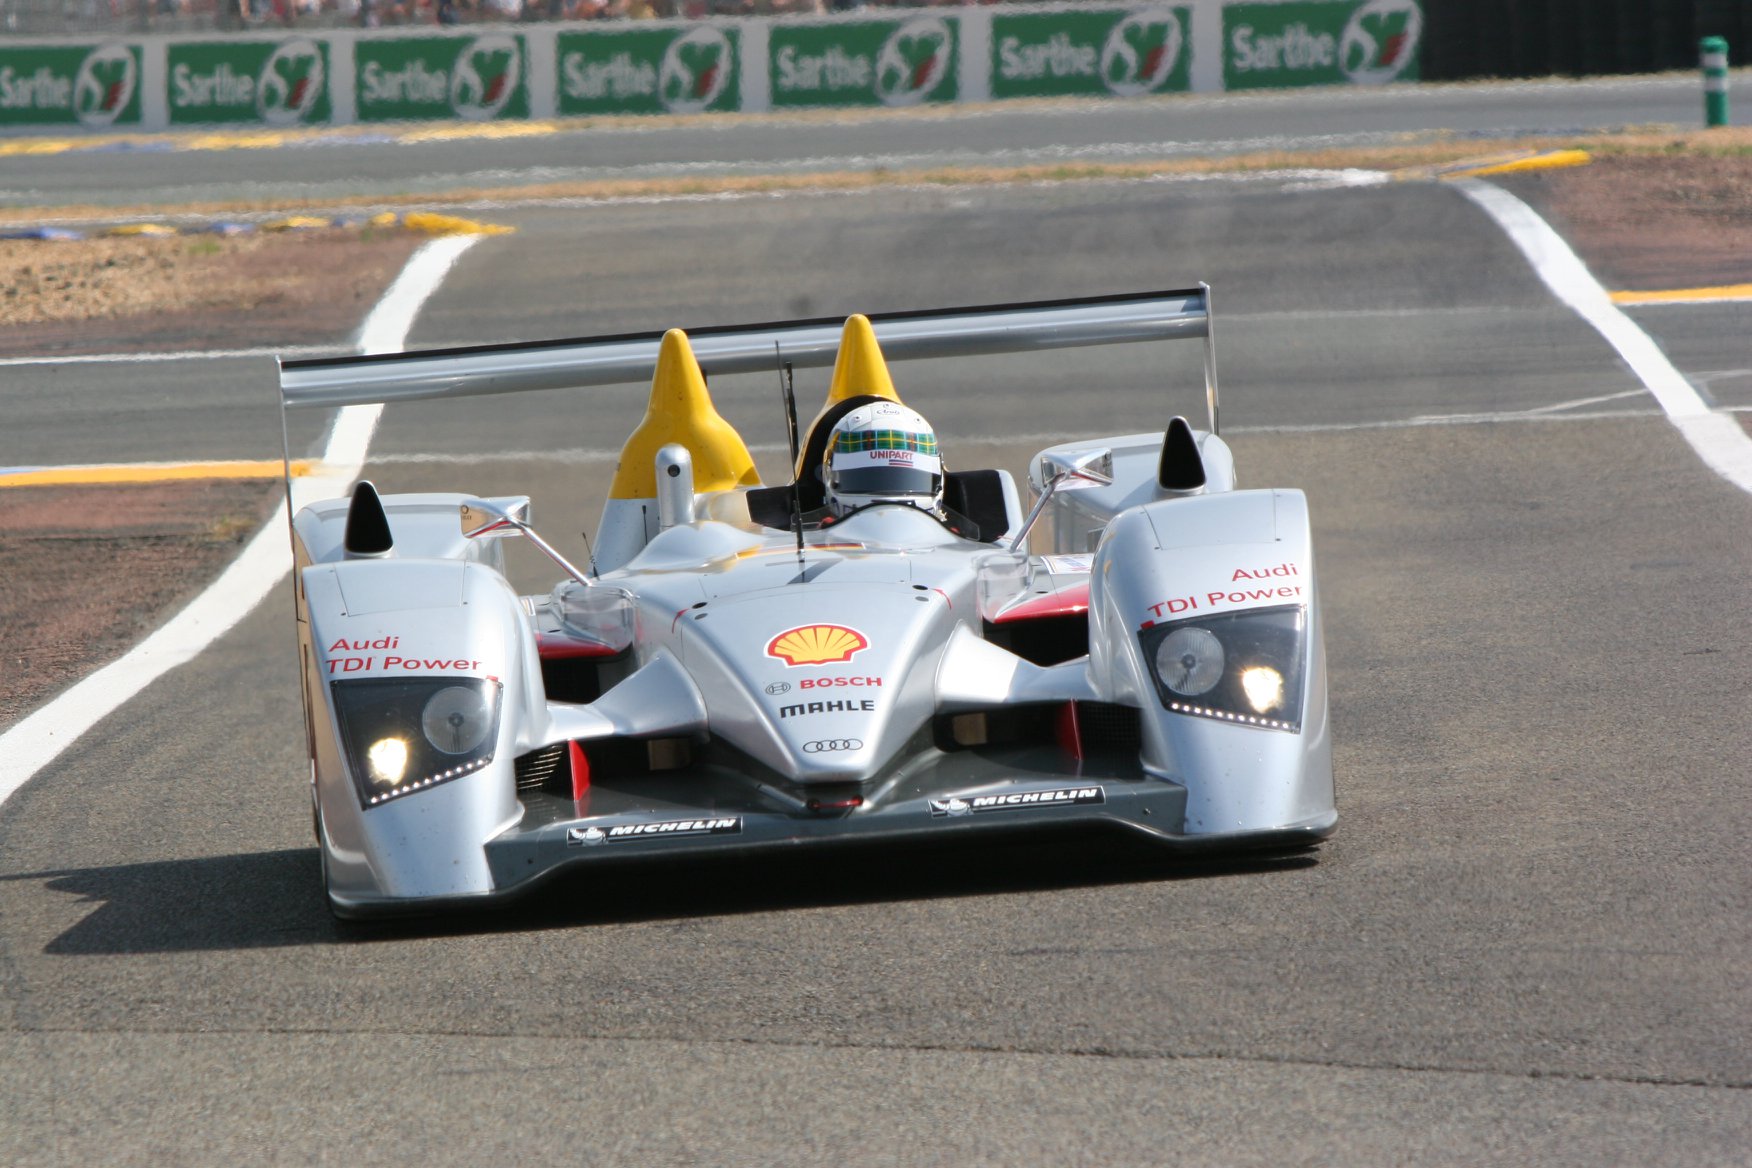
1230	319
1715	435
180	355
1583	401
35	742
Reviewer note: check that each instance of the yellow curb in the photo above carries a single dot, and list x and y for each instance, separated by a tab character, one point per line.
1683	295
58	147
232	139
489	130
1550	160
1434	170
140	229
65	476
239	141
297	223
63	145
433	224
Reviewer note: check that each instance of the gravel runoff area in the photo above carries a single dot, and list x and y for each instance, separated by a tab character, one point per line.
1652	222
173	292
90	570
1645	221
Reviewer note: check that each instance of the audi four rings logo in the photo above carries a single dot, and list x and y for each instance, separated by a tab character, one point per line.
832	746
779	687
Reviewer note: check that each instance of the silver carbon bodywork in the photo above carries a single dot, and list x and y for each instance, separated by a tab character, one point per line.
1160	670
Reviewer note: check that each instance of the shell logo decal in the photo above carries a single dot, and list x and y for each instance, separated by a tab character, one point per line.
817	645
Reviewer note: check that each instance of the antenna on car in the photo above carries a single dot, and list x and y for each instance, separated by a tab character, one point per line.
788	390
787	387
590	555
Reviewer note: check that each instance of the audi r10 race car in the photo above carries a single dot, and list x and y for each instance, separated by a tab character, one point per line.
850	655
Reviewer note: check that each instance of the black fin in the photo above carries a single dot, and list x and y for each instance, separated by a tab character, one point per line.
367	525
1181	468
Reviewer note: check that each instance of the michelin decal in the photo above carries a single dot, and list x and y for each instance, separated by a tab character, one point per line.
971	804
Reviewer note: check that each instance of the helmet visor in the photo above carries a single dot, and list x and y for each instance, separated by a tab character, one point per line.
885	481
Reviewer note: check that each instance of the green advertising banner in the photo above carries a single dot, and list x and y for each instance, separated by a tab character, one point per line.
863	62
1122	51
415	78
648	71
70	85
276	83
1320	43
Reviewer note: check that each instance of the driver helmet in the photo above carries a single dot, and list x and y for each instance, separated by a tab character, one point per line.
882	453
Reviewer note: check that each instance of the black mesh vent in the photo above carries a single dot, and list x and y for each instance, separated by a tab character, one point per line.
535	769
1105	726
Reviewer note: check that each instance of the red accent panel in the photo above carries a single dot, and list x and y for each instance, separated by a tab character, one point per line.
580	771
1070	733
1065	602
557	646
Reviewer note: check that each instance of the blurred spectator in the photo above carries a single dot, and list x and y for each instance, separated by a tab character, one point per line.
191	15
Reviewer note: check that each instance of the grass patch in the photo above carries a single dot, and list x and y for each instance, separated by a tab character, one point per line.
231	528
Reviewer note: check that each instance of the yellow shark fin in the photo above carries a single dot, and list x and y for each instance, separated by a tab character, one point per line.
681	411
859	368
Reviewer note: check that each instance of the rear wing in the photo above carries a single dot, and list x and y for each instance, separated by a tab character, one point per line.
632	357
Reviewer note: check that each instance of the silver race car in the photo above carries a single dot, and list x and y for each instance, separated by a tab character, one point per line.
867	652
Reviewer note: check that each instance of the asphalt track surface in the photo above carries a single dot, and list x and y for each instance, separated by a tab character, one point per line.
1528	942
385	161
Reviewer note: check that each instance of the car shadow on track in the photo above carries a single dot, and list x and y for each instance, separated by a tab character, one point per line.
274	899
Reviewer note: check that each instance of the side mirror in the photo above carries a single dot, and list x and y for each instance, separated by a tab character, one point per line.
1075	471
497	518
1080	469
482	519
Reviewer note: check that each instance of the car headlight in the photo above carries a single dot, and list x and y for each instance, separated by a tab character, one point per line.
1245	667
407	735
1189	660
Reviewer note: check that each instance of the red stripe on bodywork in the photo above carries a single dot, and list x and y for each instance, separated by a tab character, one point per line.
1071	601
1070	732
554	647
580	771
